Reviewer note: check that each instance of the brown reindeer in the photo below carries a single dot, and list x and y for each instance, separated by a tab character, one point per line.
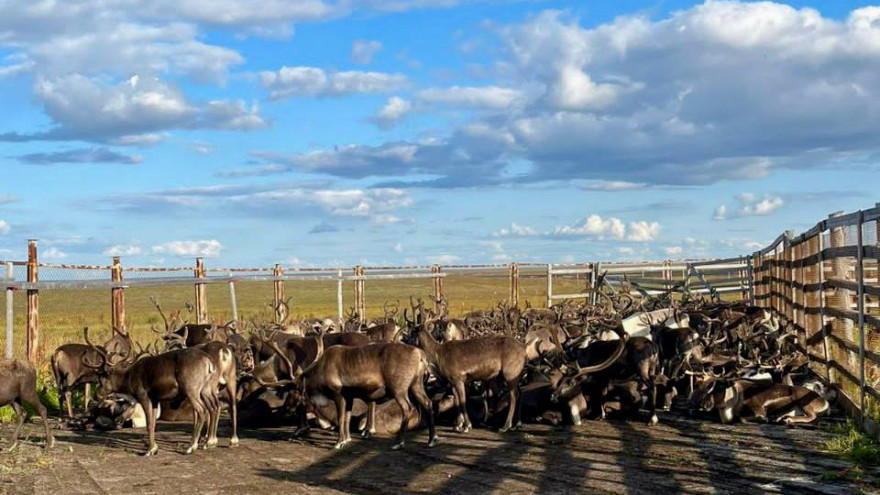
18	386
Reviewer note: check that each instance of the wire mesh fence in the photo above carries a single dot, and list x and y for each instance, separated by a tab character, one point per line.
825	282
67	298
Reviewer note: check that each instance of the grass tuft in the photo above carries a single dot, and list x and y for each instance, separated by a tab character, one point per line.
851	444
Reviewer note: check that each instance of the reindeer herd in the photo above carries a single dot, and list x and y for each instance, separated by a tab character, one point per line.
625	356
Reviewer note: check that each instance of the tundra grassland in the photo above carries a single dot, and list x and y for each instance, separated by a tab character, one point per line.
64	312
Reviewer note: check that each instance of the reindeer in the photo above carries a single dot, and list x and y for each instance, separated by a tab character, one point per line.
342	374
18	386
69	371
478	359
764	401
178	375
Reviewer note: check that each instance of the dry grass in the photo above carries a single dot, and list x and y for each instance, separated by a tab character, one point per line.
64	313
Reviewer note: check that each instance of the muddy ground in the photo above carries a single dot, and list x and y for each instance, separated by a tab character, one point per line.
678	456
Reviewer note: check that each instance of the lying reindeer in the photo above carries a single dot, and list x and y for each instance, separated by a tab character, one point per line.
764	401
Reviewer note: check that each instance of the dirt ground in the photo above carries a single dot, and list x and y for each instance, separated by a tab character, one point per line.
678	456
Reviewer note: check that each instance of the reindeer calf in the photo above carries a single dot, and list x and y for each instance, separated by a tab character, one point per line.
18	386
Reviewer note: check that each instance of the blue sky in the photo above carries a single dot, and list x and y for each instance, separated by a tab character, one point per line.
323	132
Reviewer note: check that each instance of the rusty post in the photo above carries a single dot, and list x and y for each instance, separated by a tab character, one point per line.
438	287
10	277
513	299
278	288
201	295
360	305
33	305
549	285
117	298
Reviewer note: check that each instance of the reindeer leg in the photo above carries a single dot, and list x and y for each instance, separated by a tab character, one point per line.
231	386
33	399
87	394
68	399
514	396
405	406
149	412
418	391
462	394
19	415
459	421
340	418
199	420
370	428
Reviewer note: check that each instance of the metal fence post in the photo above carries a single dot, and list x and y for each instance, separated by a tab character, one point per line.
860	302
549	285
10	276
339	310
33	305
201	293
234	301
117	297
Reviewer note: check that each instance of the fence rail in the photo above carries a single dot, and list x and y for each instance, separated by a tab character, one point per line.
825	282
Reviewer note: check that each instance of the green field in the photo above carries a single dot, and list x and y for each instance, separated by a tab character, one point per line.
63	313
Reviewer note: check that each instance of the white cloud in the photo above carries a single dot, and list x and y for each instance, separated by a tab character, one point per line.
130	112
613	185
4	227
207	248
398	248
751	205
53	253
673	250
394	109
123	250
363	51
595	226
516	230
471	96
643	231
289	82
293	261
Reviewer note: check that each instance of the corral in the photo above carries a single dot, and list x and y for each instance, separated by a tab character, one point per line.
822	284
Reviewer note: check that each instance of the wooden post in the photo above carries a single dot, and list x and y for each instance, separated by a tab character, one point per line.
549	285
33	305
860	304
339	309
360	305
750	273
117	298
438	286
513	298
278	288
201	294
10	313
841	299
823	323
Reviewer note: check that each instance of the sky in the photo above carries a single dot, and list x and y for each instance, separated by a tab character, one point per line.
338	132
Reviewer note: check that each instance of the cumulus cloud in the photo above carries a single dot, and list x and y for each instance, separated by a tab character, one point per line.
4	227
651	102
363	51
394	109
673	250
53	253
751	205
613	185
130	112
207	248
516	230
595	226
289	82
643	231
442	259
122	250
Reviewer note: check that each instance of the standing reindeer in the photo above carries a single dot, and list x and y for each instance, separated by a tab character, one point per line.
18	386
179	375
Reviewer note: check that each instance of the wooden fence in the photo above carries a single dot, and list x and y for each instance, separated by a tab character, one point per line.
826	283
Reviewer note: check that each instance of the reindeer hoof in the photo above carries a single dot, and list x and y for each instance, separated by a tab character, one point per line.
366	434
154	450
341	445
191	449
433	441
654	420
211	444
397	446
233	442
301	432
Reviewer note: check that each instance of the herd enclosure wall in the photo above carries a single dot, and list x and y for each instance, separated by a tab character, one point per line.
825	282
49	304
